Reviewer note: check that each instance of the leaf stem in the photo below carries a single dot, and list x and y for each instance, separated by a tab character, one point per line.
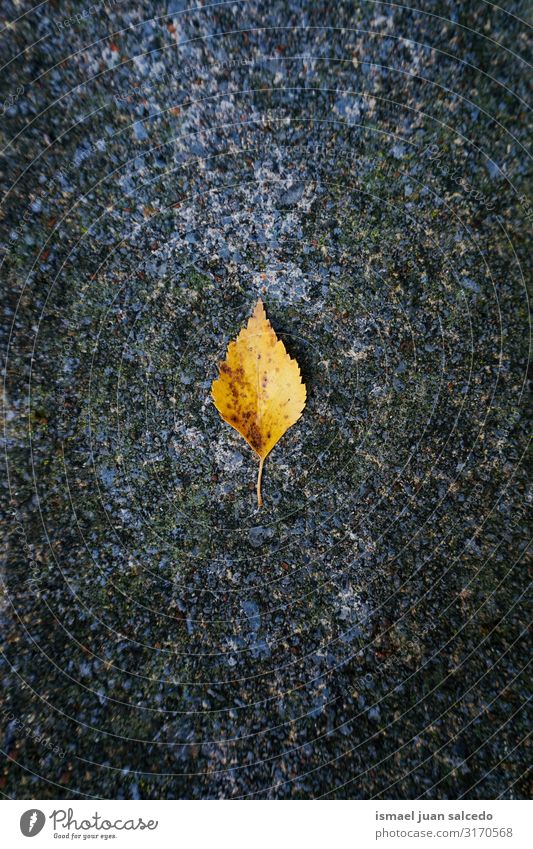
258	487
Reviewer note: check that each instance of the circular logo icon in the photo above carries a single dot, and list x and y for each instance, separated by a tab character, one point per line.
32	822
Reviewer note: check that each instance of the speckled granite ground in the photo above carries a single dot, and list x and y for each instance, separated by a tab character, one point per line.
362	166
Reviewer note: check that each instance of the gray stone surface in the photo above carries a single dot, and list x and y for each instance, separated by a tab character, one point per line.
362	167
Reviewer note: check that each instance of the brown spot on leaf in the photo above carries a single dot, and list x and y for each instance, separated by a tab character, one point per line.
254	435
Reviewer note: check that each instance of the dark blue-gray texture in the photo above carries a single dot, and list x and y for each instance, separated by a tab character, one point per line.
363	167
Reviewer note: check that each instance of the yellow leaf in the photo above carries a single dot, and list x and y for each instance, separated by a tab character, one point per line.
259	390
